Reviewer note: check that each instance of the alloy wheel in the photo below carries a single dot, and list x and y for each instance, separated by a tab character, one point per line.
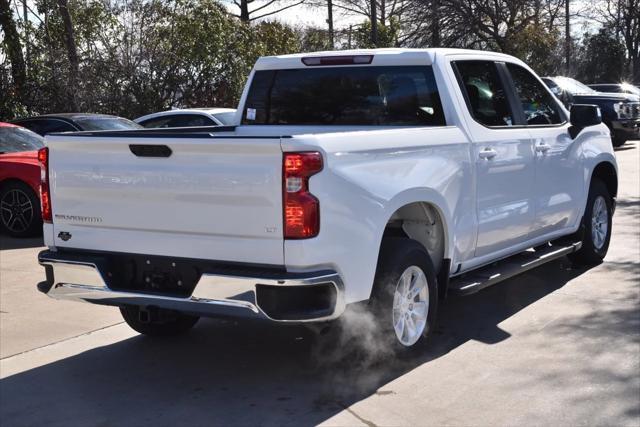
16	210
599	222
410	306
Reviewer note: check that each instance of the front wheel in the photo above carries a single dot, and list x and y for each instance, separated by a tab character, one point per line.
405	294
157	322
596	224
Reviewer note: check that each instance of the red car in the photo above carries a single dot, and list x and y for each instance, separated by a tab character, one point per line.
19	181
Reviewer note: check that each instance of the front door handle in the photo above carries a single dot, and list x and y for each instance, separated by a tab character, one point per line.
487	153
542	148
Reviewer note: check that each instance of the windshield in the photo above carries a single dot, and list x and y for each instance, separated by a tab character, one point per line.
16	139
106	123
225	118
573	86
629	88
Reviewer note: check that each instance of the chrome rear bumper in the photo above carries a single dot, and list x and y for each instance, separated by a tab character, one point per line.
215	295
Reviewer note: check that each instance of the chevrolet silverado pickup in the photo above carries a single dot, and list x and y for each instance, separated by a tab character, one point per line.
388	178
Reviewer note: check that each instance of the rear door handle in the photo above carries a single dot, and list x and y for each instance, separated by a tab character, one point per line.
487	153
542	148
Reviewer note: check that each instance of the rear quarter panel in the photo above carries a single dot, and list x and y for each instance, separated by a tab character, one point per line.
366	178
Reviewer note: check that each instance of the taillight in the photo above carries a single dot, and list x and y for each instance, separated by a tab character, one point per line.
301	208
45	195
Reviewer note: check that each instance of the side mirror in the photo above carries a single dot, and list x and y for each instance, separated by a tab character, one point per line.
582	116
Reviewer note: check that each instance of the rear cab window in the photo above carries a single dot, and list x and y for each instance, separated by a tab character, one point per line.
364	96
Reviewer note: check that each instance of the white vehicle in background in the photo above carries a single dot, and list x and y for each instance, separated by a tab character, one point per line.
188	117
391	177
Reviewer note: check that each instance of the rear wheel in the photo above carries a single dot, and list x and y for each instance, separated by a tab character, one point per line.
157	322
19	210
596	224
405	294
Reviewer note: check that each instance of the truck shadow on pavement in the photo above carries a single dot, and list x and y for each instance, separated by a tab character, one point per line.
228	373
8	243
629	145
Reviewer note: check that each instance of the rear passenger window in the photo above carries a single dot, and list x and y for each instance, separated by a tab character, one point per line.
539	106
369	95
159	122
190	120
485	95
178	120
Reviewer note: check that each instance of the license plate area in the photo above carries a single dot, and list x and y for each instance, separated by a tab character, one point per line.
157	275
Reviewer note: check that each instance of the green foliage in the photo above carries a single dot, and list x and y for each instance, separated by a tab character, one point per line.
314	39
602	58
538	47
10	105
387	35
141	56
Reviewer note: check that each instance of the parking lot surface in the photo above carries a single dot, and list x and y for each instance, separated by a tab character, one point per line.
554	346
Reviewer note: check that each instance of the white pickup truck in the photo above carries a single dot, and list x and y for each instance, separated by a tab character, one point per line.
383	177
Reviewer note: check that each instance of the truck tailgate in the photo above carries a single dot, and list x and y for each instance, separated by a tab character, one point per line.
213	197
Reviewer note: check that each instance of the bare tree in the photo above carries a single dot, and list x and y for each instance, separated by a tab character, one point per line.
72	51
624	17
382	9
250	10
13	45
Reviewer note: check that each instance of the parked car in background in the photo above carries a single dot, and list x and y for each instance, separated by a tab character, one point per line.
191	117
19	181
616	88
72	122
620	111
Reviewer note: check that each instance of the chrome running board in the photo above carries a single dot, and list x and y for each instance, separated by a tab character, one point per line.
505	269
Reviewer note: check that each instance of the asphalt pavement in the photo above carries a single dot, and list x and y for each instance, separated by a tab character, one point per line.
556	346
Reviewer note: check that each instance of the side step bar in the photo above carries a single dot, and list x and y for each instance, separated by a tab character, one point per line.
507	268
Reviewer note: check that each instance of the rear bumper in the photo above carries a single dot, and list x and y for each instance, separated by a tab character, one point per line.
286	297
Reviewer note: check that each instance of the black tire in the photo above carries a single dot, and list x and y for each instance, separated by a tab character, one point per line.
397	256
161	322
19	210
592	253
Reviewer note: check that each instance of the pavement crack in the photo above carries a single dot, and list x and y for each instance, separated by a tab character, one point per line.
352	412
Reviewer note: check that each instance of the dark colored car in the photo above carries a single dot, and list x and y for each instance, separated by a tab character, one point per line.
620	111
616	88
19	181
72	122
